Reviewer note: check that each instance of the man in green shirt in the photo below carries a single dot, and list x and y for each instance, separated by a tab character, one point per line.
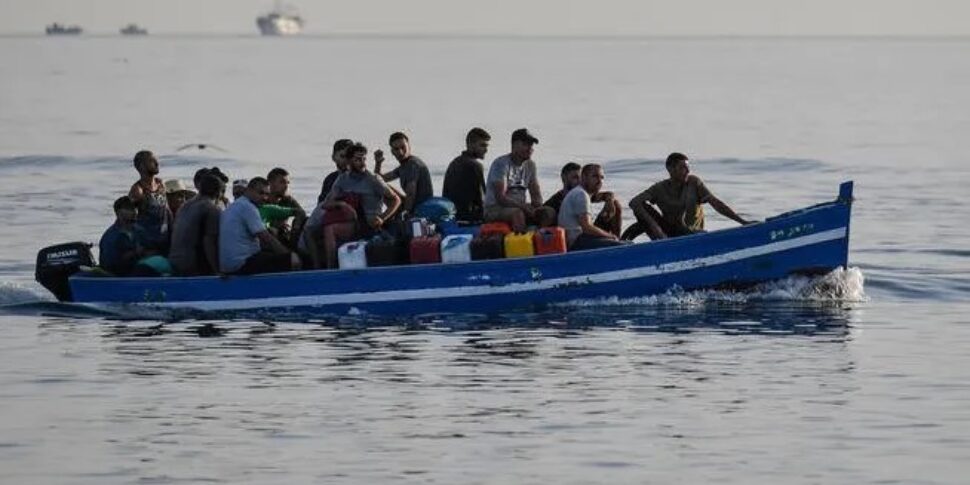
681	200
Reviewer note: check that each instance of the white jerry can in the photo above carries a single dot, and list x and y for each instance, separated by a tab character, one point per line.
456	248
352	255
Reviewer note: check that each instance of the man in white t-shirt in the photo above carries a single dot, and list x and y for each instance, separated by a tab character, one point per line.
575	213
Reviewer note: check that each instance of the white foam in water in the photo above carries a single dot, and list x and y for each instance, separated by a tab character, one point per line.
838	286
14	293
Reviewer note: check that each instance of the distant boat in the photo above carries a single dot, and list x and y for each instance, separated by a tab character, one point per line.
133	29
280	21
58	29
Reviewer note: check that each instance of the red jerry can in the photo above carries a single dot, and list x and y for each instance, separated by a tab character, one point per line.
491	228
426	249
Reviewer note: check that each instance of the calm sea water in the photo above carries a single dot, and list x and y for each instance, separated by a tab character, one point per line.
859	377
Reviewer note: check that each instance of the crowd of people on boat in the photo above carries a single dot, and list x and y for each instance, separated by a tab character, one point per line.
167	228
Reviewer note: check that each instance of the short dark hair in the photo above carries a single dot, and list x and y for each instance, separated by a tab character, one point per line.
569	167
590	168
197	178
356	148
397	135
257	183
674	158
342	144
214	171
276	173
211	186
124	202
476	134
142	157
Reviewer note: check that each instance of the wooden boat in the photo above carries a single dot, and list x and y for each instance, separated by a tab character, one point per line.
812	240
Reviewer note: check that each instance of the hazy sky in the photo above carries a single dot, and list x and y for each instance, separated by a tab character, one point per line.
522	17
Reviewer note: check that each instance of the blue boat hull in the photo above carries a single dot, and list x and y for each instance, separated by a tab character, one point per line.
807	241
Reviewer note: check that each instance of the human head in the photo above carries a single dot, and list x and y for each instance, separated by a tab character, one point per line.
279	181
197	178
356	157
125	210
592	176
522	143
338	156
239	188
400	146
176	193
211	186
146	163
476	142
257	190
677	167
570	175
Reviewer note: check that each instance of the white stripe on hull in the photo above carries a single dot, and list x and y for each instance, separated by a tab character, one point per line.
468	291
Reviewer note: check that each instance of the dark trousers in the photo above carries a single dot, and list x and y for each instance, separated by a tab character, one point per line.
266	262
586	241
640	227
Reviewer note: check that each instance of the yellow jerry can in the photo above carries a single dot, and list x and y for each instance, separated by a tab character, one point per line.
519	245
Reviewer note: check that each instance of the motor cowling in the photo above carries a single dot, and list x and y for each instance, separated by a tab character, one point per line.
55	264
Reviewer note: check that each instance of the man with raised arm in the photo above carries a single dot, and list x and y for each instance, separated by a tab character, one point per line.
414	174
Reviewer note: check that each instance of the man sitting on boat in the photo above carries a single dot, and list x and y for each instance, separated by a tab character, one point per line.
279	186
339	157
243	234
148	194
609	219
223	202
680	199
119	244
360	195
510	178
414	174
464	182
575	215
195	235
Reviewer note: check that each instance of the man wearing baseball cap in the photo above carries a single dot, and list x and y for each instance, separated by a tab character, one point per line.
510	178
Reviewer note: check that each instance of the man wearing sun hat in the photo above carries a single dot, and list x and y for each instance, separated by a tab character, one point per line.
177	193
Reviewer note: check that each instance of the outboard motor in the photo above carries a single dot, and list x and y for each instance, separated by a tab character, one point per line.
56	263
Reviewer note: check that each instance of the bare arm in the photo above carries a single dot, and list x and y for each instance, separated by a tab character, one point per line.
410	193
535	193
725	210
210	244
638	205
393	203
267	240
586	223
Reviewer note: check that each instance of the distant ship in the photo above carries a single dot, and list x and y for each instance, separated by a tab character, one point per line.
58	29
133	29
280	21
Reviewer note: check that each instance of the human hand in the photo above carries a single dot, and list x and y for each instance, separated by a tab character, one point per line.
378	157
375	222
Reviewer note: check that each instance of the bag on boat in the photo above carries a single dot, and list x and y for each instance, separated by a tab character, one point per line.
341	214
436	210
451	228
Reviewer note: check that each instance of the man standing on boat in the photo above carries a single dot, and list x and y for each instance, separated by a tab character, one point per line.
340	162
575	214
680	199
465	178
148	194
510	178
414	174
